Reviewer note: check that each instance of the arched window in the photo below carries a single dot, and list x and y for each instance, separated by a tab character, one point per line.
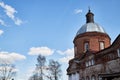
87	78
86	46
92	62
93	78
89	63
102	46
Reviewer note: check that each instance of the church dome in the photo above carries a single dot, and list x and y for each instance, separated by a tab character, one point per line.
90	27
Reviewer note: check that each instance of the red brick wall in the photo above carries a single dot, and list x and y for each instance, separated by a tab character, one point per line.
93	38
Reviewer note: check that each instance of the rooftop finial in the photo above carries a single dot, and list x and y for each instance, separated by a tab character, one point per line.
89	9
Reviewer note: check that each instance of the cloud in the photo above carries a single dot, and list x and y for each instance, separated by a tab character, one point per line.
2	22
18	21
10	12
45	51
1	32
10	57
78	11
65	59
68	54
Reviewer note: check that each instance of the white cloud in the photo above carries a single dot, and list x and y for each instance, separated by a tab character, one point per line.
78	11
1	32
65	59
10	57
18	21
10	12
2	22
68	54
45	51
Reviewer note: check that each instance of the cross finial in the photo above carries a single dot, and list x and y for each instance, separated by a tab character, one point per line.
89	8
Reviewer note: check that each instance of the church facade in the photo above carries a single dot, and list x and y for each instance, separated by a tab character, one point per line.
95	58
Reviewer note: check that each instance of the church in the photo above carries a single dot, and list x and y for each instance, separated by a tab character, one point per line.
95	58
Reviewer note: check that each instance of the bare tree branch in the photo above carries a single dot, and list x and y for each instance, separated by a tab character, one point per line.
7	71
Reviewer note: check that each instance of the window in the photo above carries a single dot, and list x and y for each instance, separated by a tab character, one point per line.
101	45
86	46
87	78
87	64
93	78
118	52
100	78
92	62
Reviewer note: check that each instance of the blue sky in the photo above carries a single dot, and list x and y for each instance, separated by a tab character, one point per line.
32	27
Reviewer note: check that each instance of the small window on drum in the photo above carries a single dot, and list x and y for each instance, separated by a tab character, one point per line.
102	46
86	46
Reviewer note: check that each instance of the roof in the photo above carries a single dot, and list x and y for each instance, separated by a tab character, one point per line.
90	27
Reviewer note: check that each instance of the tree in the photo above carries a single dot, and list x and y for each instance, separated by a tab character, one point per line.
33	77
7	71
54	70
40	66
